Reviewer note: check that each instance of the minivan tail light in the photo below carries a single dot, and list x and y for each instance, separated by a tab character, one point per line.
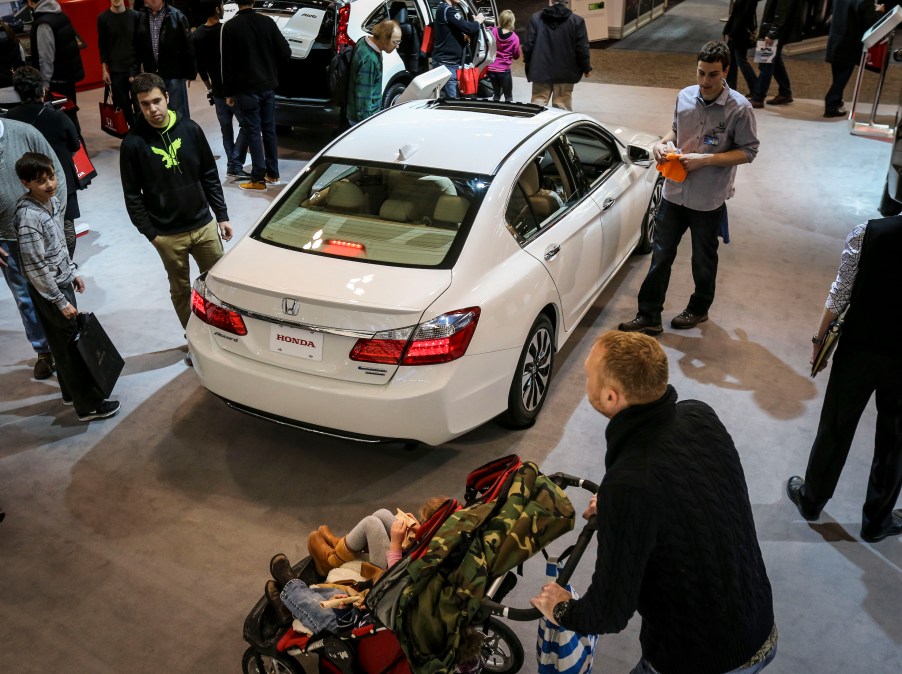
342	38
208	308
440	340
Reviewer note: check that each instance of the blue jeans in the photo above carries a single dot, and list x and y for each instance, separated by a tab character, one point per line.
18	284
178	97
672	222
450	88
257	119
644	667
777	70
303	602
235	152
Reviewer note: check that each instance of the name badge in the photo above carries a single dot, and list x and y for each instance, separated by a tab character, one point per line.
712	140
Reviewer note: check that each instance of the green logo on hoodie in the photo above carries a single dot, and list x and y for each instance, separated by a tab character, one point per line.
168	156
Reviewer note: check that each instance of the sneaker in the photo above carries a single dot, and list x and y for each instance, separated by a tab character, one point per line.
107	409
273	181
687	320
253	185
641	324
780	99
43	369
840	112
239	174
67	401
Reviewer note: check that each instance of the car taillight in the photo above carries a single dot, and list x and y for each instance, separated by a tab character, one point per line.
342	38
209	309
441	340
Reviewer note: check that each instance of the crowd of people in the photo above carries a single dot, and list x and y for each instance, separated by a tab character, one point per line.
666	548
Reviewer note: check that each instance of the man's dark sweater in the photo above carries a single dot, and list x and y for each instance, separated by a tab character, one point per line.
116	39
169	178
208	57
677	542
253	48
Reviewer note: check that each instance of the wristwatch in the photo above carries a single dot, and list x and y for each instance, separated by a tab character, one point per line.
560	609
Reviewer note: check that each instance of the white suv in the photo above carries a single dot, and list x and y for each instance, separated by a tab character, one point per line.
316	29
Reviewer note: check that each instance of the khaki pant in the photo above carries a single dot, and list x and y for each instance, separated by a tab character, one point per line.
561	95
204	245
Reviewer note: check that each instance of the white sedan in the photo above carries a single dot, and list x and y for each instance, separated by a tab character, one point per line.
417	277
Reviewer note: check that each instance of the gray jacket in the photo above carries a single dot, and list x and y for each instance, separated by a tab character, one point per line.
42	248
17	138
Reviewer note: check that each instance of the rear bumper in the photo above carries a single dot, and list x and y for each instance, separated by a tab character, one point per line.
430	404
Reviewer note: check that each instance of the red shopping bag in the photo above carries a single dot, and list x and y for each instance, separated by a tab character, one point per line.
426	42
84	169
112	119
467	80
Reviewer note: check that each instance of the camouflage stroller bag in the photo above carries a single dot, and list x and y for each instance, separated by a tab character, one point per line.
432	596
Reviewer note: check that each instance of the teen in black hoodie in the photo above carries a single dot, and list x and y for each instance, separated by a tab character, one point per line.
170	183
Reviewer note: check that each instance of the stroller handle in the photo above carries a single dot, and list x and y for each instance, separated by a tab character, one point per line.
582	542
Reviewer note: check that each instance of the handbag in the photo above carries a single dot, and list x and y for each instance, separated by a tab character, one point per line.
112	118
559	650
90	344
84	168
828	343
467	76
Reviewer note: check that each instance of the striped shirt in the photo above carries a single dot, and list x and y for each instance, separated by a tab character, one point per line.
42	248
841	290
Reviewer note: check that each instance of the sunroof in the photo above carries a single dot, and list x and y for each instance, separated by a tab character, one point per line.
489	107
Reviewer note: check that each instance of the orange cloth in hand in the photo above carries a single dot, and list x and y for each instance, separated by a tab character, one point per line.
672	168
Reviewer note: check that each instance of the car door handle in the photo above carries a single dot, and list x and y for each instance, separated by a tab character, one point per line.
607	203
551	251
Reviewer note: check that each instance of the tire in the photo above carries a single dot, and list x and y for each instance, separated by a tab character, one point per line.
888	205
532	378
647	239
502	652
272	664
391	94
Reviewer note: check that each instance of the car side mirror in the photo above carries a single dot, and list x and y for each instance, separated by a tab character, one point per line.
639	156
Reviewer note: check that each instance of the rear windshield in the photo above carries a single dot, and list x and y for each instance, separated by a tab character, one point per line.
403	216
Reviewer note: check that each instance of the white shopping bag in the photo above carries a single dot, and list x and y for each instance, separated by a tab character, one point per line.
765	54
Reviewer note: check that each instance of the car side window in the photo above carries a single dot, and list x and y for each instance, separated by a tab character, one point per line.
540	194
592	153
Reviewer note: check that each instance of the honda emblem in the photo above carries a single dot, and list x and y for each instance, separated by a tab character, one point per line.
290	306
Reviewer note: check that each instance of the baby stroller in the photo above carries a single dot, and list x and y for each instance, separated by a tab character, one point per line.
511	512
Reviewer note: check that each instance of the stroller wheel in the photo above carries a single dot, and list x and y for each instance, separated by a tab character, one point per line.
272	664
502	652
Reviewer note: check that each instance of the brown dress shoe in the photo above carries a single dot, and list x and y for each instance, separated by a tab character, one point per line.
331	538
281	571
272	594
320	550
779	99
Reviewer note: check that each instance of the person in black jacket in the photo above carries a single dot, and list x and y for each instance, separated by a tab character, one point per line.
556	54
783	23
450	34
867	362
207	53
170	182
171	57
56	52
115	40
739	33
59	131
253	48
849	20
676	536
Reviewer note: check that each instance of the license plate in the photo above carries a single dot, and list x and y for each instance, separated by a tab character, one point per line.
296	342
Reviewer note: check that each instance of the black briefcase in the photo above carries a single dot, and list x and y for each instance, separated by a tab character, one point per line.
91	345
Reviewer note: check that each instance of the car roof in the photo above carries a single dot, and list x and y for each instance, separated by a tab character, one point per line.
469	136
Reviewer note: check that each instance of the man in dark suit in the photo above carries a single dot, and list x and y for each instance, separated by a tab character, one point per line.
867	362
847	24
